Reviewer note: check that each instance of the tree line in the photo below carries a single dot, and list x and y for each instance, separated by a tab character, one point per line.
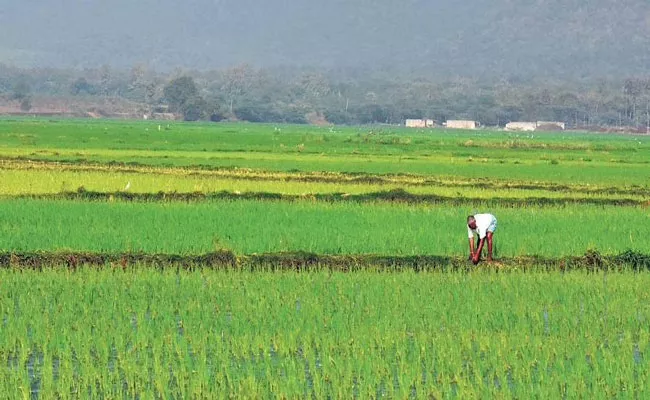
304	95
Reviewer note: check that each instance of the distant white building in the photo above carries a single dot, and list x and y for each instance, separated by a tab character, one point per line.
420	123
534	126
461	124
521	126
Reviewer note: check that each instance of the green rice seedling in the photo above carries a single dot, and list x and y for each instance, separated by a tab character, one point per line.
290	334
613	159
602	173
248	227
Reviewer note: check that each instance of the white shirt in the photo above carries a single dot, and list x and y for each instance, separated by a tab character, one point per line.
483	223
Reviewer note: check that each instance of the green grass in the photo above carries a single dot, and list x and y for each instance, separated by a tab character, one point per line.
58	180
208	334
109	333
616	172
548	157
185	137
246	227
287	160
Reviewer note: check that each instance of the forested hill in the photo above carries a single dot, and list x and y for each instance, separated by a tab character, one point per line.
564	38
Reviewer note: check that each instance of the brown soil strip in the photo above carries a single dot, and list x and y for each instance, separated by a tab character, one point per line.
391	196
225	259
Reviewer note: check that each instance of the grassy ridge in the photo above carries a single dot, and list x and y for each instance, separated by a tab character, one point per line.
248	226
25	178
323	334
389	196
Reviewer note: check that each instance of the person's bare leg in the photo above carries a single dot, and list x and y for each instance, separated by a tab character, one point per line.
489	246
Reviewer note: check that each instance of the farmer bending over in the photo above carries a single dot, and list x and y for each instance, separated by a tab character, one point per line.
484	225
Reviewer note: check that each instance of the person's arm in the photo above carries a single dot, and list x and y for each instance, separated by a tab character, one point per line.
477	256
470	236
471	247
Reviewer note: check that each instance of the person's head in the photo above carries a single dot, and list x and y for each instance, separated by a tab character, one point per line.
471	222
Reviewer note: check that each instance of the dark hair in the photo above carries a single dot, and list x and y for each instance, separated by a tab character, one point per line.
470	218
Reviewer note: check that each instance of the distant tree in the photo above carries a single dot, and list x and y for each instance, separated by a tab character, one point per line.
140	86
217	115
179	91
313	85
183	96
26	104
21	91
295	94
194	109
106	76
22	94
255	113
237	82
633	90
338	117
81	86
372	113
150	90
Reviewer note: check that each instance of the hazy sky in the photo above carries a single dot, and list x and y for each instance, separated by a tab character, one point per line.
472	36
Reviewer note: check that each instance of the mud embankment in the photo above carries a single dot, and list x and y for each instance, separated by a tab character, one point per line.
297	261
